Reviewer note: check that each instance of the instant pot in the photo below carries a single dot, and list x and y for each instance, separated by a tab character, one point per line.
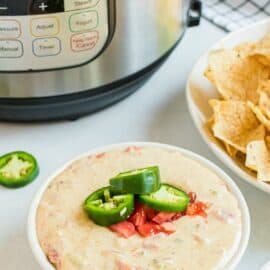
61	59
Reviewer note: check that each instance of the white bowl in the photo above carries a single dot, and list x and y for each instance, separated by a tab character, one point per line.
199	90
32	233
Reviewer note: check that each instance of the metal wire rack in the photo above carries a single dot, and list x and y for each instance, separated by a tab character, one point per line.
230	15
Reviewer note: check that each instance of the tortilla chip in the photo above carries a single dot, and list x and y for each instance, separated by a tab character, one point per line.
267	142
260	115
261	50
210	122
209	75
235	124
261	59
262	109
264	97
236	75
245	48
230	150
264	103
208	127
251	157
265	41
258	159
264	86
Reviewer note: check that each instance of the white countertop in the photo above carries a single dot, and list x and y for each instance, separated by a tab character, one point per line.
158	112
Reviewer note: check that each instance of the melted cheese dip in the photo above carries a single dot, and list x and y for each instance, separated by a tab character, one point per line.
71	241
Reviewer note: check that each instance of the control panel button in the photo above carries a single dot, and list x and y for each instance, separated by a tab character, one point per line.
41	27
84	41
11	49
46	47
83	21
9	29
46	6
79	4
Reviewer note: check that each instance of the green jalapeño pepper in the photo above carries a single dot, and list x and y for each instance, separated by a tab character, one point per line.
105	207
17	169
167	199
140	181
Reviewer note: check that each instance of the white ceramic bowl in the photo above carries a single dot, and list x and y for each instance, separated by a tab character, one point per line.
31	229
199	90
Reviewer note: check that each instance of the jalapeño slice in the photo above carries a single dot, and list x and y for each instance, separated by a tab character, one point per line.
105	207
17	169
167	199
140	181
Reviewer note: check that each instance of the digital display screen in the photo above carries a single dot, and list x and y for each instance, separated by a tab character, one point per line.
30	7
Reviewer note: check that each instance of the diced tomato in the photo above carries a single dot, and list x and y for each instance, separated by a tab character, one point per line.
132	148
162	217
168	227
150	245
197	209
122	265
177	216
138	217
124	228
127	149
54	257
101	155
149	229
149	212
192	197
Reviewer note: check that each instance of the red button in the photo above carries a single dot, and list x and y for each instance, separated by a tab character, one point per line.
84	41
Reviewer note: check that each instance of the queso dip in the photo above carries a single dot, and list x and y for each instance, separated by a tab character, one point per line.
71	241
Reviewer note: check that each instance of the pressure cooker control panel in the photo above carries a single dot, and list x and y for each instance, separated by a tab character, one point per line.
49	34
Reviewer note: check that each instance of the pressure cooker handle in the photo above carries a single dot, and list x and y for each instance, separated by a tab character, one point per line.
194	13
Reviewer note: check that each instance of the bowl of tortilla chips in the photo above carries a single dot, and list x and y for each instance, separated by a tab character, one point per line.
228	94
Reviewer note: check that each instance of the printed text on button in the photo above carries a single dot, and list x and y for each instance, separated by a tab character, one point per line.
80	4
41	27
84	41
83	21
9	29
46	47
11	49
